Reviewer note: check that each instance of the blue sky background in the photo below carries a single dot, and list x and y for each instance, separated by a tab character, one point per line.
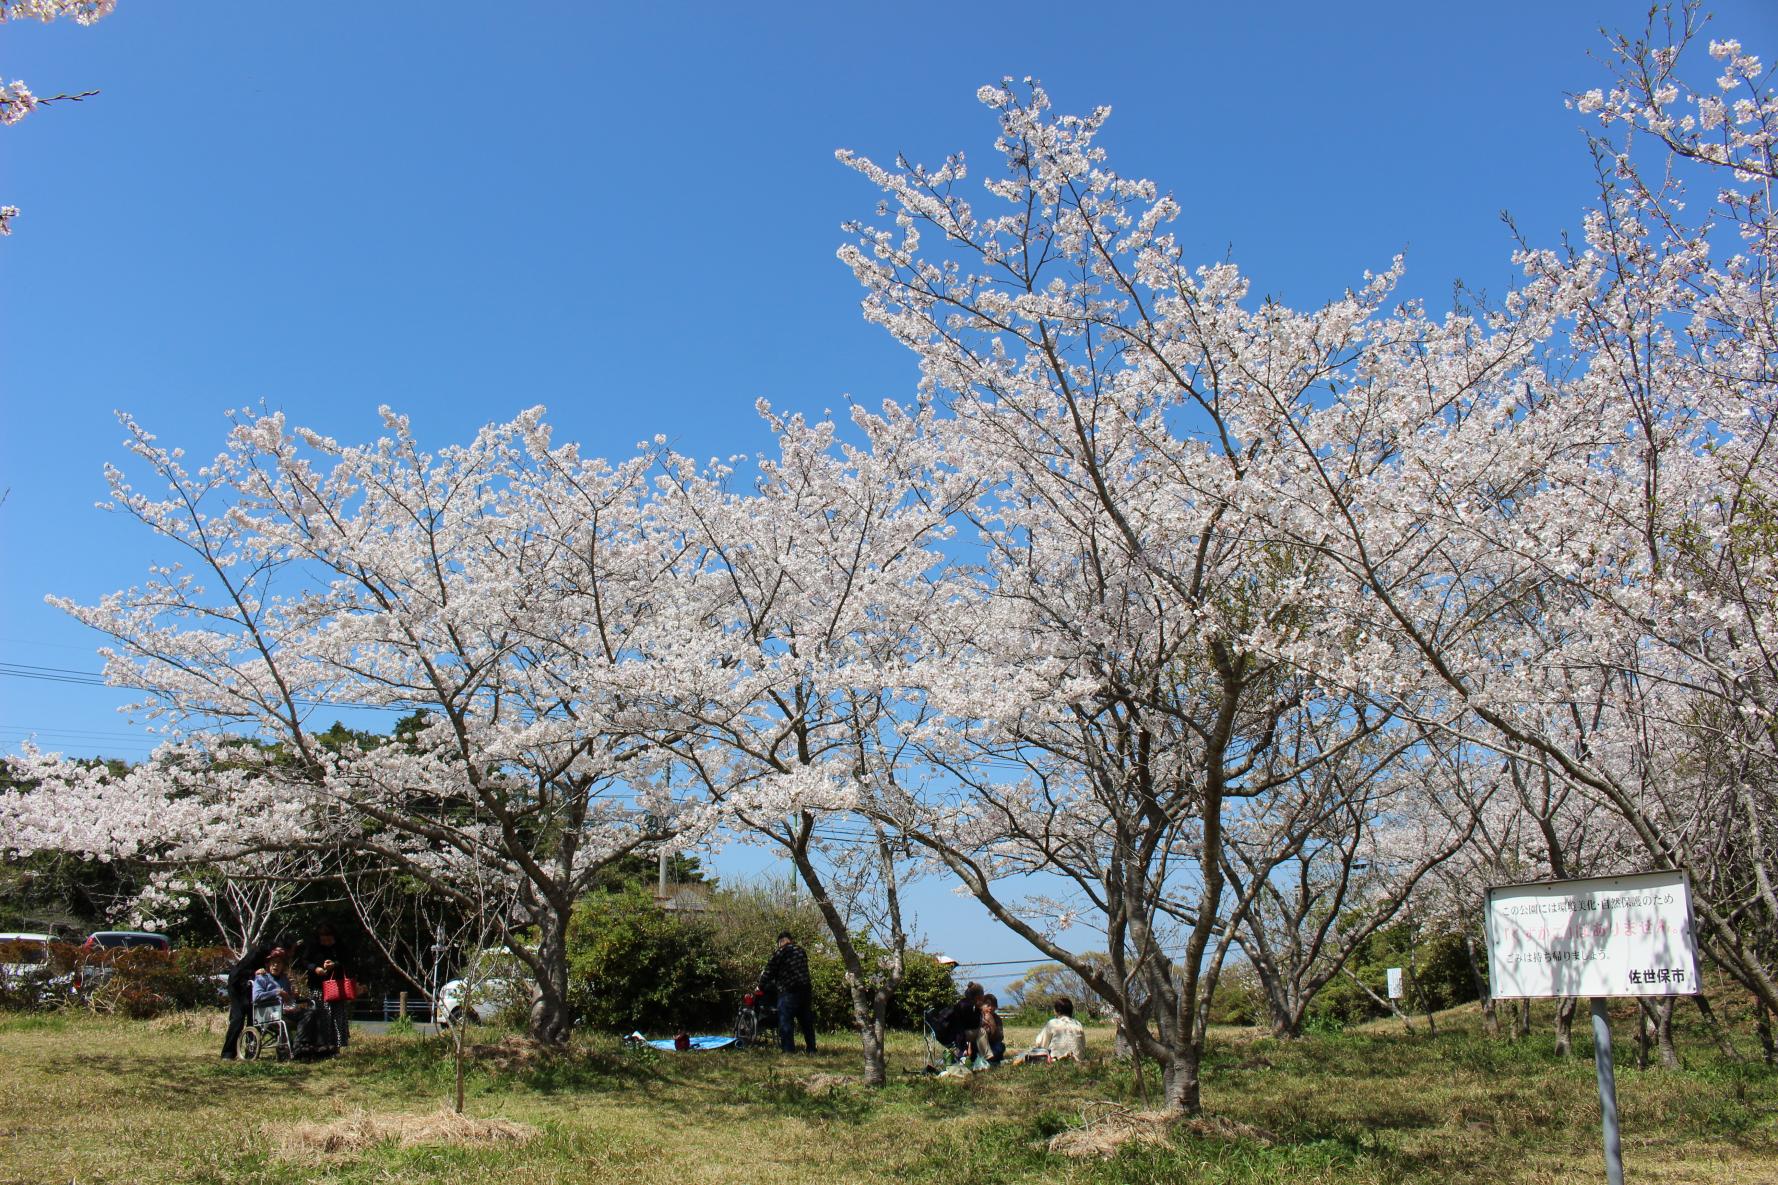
629	213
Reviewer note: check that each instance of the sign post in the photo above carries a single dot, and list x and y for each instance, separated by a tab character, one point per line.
1602	1069
1393	975
1601	937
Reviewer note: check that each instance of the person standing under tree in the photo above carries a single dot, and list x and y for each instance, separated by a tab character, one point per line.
240	996
326	958
788	973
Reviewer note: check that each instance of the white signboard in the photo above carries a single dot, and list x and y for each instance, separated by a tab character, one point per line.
1605	936
1394	974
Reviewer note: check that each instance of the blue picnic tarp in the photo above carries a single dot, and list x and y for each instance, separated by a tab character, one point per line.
698	1044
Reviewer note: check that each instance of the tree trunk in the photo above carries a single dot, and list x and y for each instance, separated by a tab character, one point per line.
1721	1034
1664	1033
458	1038
1125	1049
552	1017
1565	1025
1284	1020
1181	1090
869	1012
1763	1026
1490	1017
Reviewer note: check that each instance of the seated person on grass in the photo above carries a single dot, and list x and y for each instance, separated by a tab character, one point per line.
959	1027
1062	1037
993	1030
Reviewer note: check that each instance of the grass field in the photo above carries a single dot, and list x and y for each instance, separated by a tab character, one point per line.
89	1100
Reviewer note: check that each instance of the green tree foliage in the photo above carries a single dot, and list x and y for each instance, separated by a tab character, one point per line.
633	965
640	870
1435	969
637	966
1033	992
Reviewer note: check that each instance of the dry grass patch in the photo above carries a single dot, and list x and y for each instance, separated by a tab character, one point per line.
828	1083
512	1054
361	1130
208	1023
1107	1127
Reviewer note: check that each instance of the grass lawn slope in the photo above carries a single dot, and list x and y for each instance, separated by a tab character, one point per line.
90	1100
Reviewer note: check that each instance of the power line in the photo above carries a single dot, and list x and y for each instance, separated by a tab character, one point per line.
1007	963
101	734
21	670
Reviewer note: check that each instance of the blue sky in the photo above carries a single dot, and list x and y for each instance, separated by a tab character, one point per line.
629	213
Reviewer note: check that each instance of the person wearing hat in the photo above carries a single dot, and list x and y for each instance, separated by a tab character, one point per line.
271	983
788	972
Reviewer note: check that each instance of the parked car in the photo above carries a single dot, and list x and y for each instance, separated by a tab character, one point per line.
23	954
123	939
25	970
491	997
95	954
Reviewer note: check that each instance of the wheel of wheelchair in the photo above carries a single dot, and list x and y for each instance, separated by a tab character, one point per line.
252	1043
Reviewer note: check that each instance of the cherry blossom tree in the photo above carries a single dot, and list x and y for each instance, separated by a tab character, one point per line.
1559	511
492	585
1206	513
1123	685
774	686
1541	528
16	99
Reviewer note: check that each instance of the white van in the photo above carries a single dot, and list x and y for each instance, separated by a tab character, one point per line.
24	960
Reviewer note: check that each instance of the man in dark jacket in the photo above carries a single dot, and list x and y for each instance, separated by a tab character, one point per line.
240	996
788	972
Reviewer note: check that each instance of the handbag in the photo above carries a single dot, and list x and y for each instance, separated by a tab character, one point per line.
348	987
331	991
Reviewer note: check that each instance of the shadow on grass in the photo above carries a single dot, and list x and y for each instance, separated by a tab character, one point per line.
851	1104
161	1078
508	1066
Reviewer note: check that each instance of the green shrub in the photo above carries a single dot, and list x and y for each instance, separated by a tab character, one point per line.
1436	976
634	965
926	983
1239	1000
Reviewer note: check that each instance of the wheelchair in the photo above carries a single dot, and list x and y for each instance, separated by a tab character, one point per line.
269	1030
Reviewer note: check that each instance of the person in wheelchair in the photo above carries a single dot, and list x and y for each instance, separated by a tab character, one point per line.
271	983
275	1006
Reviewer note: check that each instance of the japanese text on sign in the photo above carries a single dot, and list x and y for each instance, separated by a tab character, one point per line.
1607	936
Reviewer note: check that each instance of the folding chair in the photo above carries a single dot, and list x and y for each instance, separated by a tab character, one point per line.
938	1053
